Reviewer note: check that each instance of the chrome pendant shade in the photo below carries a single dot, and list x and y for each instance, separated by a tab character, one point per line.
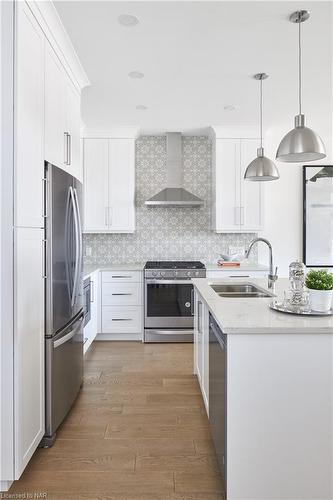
261	168
301	144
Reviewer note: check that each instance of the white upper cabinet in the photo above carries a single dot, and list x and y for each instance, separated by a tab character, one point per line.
121	184
62	116
55	139
109	185
96	184
73	126
251	192
237	204
29	119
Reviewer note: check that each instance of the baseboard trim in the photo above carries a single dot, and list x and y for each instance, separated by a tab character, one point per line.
5	485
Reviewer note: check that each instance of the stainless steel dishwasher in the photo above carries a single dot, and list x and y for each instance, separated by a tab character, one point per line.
218	394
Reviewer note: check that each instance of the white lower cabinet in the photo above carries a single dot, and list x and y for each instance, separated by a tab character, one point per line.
91	328
122	304
29	404
121	319
201	346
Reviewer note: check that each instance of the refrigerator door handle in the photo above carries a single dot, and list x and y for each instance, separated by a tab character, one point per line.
77	246
80	225
67	337
80	255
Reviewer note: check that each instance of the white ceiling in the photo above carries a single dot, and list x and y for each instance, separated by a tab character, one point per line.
198	57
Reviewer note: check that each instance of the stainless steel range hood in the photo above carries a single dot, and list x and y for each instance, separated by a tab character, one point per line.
174	195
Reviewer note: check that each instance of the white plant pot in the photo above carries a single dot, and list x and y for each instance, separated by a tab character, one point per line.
321	300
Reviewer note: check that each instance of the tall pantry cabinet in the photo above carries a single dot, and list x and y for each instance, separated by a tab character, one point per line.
28	237
46	128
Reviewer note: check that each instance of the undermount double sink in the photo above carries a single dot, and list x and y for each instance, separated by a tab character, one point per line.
241	290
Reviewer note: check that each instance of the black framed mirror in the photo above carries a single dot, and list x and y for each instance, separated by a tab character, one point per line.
318	215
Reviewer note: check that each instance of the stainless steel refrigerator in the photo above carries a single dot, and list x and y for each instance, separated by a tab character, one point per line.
63	297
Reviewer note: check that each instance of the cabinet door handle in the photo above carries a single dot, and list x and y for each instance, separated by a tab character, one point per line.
192	302
66	152
45	196
121	319
120	276
44	274
92	291
237	216
122	294
199	316
242	216
69	149
239	276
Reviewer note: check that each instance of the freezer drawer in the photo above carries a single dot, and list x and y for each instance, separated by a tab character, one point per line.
64	374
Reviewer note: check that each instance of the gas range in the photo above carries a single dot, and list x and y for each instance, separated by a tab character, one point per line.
174	269
169	300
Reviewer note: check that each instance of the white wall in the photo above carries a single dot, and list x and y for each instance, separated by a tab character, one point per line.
283	198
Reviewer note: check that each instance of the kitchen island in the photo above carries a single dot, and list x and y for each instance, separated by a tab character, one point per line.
267	386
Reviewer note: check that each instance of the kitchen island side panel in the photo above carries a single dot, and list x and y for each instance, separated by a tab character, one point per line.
279	417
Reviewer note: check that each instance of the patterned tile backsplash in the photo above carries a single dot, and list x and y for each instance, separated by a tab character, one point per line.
167	233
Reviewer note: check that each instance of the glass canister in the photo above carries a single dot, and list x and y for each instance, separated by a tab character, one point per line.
296	280
296	275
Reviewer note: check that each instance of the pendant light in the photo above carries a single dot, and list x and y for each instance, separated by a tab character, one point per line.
300	144
261	168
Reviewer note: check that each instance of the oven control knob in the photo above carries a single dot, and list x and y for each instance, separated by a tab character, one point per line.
197	273
154	273
189	274
162	273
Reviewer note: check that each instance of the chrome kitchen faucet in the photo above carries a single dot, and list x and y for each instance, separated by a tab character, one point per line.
271	277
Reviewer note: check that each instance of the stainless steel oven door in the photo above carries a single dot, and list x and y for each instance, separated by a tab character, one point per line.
168	304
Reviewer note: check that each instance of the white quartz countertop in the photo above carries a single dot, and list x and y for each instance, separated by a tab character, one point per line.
88	269
244	266
253	315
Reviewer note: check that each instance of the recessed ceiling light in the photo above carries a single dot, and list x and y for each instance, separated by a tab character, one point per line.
230	107
128	20
136	74
141	107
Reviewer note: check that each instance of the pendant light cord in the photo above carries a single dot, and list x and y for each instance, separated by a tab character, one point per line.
261	111
299	68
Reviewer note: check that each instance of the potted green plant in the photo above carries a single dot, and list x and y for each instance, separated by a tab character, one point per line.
320	286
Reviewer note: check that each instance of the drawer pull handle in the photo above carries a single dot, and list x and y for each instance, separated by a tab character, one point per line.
121	319
121	276
239	276
122	294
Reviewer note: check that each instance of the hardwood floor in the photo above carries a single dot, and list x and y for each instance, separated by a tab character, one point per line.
138	431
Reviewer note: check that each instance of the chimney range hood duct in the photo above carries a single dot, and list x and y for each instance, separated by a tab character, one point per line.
174	195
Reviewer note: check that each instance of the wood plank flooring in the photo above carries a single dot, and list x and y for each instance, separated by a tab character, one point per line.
138	431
